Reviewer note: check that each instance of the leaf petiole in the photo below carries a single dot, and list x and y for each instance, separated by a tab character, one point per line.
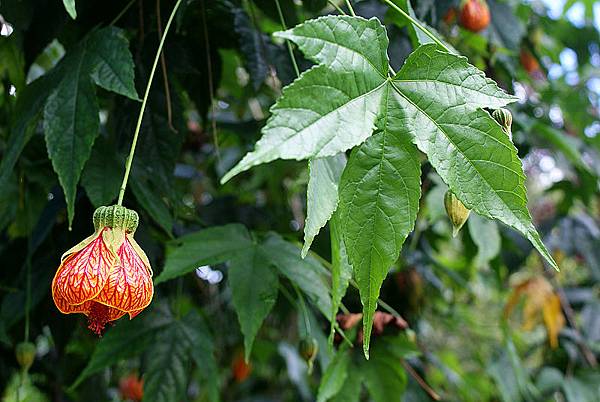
417	24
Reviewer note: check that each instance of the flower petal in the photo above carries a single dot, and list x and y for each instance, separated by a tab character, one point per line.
66	308
129	286
83	274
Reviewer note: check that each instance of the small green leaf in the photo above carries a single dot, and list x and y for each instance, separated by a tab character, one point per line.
321	194
254	288
379	199
70	7
214	245
112	63
335	376
503	16
308	274
486	236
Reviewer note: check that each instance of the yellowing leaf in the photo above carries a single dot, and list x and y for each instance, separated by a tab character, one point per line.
542	304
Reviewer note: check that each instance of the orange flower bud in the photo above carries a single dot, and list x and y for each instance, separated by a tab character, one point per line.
107	275
131	388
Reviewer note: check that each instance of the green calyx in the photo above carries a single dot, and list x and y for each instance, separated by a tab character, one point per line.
116	216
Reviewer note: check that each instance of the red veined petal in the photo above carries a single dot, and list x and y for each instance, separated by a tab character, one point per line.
129	286
83	274
66	308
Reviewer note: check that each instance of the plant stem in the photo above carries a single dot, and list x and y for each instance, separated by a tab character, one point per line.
289	45
417	24
339	10
144	102
349	5
123	11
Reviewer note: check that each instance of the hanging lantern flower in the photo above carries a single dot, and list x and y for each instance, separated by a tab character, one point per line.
107	275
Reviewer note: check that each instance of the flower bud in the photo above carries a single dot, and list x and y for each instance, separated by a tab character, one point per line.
504	118
308	350
456	211
25	353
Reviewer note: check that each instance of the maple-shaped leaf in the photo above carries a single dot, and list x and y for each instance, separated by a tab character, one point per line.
434	102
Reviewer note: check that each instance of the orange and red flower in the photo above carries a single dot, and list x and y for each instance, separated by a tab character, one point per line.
107	275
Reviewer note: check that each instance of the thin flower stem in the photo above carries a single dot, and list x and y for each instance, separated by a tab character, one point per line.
144	102
163	65
339	10
123	11
289	45
417	24
349	5
303	310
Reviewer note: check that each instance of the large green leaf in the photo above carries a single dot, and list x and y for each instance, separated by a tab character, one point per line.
71	112
149	198
170	345
440	96
30	104
254	288
321	114
209	246
125	340
341	270
175	347
166	374
321	194
308	274
379	199
101	176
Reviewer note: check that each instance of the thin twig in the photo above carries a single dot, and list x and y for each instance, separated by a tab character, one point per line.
143	108
163	65
213	117
121	13
339	10
585	350
432	394
289	45
349	5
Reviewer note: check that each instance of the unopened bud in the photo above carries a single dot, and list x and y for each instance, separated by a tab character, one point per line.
504	118
308	350
25	353
456	211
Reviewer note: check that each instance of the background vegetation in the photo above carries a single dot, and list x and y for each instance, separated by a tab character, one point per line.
477	317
